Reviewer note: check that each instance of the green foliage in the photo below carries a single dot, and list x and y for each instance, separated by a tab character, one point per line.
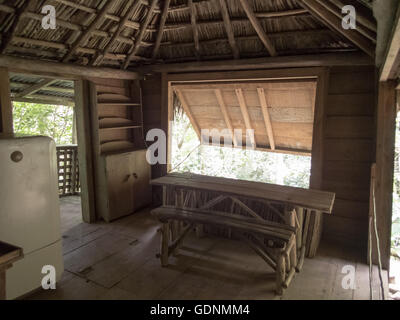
189	156
47	120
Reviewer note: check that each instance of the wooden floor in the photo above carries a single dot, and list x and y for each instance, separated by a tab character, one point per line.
118	261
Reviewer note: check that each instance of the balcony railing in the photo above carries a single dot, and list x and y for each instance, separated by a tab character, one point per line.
68	170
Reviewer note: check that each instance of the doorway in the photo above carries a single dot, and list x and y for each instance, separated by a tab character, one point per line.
45	107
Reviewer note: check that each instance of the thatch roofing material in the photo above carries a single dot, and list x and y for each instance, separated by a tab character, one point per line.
290	27
56	92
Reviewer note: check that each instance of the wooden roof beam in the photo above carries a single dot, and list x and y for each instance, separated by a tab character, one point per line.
229	29
391	67
365	21
246	116
189	114
224	111
140	36
51	88
266	116
194	28
63	70
133	4
17	19
34	88
45	100
332	21
136	26
163	19
86	34
258	28
371	35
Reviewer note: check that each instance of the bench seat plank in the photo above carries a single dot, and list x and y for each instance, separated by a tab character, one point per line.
242	225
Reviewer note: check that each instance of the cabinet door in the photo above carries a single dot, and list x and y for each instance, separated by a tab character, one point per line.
141	185
120	184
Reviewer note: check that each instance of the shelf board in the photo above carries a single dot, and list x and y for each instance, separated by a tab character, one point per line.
120	127
119	151
119	103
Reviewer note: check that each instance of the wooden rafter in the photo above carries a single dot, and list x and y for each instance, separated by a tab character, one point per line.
48	87
229	29
332	21
258	28
163	19
194	28
42	99
224	111
168	26
371	35
141	34
391	67
189	114
133	5
18	15
267	118
34	88
86	34
369	23
245	114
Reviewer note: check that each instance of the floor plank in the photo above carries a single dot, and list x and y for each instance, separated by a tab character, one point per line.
118	261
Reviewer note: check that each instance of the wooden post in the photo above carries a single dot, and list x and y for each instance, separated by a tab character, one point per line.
386	126
6	120
315	225
85	156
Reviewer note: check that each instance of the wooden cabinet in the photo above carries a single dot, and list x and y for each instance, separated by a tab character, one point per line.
125	186
122	173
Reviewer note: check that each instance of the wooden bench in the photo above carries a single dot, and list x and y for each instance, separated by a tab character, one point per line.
274	242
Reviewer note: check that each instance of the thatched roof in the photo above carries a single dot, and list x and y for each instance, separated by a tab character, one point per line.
36	89
124	33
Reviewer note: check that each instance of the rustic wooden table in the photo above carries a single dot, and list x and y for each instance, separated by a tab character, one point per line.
8	255
263	201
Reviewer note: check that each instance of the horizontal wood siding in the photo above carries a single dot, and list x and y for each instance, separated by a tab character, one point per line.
151	99
349	153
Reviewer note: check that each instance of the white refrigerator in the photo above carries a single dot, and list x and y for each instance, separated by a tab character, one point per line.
29	210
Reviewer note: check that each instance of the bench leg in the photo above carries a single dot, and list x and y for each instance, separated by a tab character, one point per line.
280	273
164	244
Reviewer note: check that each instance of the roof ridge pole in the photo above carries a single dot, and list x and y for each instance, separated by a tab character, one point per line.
229	29
141	33
97	60
163	19
258	28
19	13
86	34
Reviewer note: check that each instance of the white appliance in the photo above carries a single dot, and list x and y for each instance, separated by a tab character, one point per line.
29	210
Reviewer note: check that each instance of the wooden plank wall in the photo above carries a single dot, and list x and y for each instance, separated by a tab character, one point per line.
151	99
349	153
349	144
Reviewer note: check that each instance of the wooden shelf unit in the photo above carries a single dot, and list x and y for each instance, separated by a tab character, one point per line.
122	173
117	118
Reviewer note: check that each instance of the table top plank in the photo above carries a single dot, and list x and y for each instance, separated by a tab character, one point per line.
305	198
